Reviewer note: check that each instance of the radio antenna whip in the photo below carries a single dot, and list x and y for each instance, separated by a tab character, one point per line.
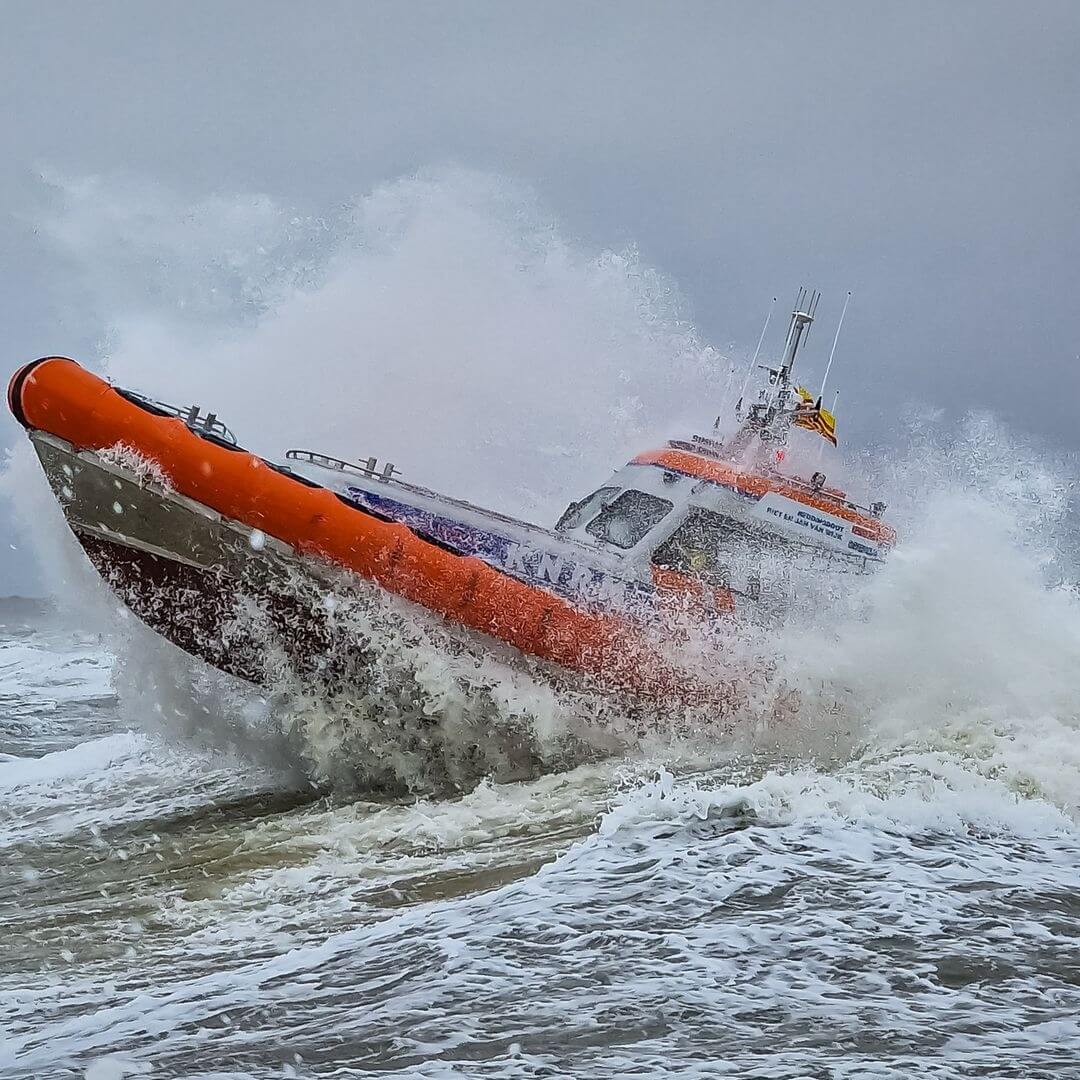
832	351
753	359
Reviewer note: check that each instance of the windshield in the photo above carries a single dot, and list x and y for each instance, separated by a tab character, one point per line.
705	543
577	513
628	518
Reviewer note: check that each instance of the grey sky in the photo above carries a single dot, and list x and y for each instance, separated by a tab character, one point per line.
925	155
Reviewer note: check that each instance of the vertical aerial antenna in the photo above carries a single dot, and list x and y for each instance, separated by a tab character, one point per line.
832	351
791	327
753	359
801	320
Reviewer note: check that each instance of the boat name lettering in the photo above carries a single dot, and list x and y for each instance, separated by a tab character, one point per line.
820	524
806	520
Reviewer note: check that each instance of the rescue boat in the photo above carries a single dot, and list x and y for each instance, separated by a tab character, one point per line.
190	530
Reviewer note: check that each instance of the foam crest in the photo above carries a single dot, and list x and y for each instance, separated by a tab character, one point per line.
914	795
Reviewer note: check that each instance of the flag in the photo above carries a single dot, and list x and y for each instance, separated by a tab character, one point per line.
814	417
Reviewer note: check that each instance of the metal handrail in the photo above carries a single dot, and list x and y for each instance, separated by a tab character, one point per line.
875	510
192	415
368	469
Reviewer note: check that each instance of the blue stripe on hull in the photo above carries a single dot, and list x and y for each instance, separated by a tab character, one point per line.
547	569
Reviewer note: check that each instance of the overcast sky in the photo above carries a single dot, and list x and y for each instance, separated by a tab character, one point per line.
924	155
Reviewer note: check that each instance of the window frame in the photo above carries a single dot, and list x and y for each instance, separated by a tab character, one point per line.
733	528
569	519
605	539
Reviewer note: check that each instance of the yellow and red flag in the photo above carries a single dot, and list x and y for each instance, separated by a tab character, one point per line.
814	418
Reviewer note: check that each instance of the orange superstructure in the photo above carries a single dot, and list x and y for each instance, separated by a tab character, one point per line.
759	485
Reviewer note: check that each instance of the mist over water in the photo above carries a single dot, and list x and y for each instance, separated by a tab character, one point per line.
441	322
867	869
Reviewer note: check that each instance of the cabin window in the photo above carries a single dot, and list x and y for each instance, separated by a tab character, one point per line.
625	520
702	544
577	513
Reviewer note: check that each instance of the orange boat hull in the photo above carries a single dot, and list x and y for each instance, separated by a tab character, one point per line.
58	398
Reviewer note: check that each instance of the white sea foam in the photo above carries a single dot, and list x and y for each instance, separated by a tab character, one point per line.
782	906
113	780
145	469
961	647
58	668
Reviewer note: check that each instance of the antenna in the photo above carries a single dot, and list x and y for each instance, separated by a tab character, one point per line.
801	319
812	312
835	401
791	325
753	359
832	351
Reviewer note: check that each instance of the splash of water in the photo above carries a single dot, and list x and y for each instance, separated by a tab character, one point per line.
967	645
443	321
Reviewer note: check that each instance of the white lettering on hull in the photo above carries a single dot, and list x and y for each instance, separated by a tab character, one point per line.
796	518
551	568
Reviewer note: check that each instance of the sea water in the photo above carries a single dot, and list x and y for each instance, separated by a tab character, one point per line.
877	880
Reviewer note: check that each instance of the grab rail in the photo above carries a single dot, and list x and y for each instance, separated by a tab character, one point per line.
192	415
368	469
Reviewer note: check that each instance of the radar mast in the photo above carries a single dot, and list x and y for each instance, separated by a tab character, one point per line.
770	417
